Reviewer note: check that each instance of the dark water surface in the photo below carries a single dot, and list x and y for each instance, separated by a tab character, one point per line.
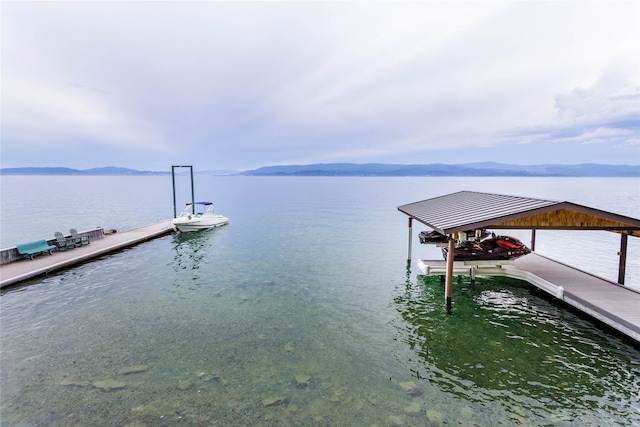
301	312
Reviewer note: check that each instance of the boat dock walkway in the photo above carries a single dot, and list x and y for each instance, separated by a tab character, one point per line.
613	304
44	264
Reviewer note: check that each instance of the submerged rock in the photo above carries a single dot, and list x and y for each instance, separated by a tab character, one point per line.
467	412
110	384
185	385
302	380
274	401
133	369
413	409
435	416
212	376
74	383
395	420
411	388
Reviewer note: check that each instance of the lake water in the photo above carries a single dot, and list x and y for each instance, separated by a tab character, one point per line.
301	312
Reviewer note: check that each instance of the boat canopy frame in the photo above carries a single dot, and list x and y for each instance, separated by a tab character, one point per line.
199	203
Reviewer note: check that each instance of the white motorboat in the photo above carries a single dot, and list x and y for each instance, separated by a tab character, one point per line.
205	218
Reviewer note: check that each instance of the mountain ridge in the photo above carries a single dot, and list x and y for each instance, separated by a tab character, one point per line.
486	169
442	169
102	171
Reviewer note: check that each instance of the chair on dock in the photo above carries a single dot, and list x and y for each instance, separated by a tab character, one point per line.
62	243
77	239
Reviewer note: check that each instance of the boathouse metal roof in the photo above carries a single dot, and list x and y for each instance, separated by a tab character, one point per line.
470	210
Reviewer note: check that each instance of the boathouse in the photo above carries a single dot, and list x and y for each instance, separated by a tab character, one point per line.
458	215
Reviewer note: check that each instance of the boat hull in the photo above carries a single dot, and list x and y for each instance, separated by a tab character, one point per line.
197	224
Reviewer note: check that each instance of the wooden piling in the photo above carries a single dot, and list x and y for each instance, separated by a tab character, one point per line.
448	288
623	258
410	239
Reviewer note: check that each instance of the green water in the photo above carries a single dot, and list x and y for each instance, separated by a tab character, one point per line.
505	346
300	312
218	348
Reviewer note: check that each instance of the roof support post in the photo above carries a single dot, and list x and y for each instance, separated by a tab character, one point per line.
448	287
410	239
622	266
533	240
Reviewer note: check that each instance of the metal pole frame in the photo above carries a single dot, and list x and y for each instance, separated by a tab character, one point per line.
173	184
193	200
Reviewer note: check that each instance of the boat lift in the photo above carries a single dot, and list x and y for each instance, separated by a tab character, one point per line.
173	182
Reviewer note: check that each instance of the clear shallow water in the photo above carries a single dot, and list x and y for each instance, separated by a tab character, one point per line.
304	299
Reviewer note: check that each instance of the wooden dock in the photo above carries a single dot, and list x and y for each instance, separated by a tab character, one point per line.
18	271
610	303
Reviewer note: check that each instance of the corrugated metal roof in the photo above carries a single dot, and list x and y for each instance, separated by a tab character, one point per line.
469	210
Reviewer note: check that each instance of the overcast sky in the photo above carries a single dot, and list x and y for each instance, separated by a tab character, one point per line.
239	85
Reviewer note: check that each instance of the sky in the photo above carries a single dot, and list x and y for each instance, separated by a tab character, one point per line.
237	85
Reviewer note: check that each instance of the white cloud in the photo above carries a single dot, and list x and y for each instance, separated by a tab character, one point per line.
348	81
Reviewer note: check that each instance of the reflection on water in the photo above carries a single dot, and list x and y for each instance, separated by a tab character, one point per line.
192	249
502	344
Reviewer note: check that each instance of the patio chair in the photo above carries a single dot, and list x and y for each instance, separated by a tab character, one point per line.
77	239
61	242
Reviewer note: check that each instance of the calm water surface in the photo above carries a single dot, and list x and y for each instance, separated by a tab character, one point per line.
300	312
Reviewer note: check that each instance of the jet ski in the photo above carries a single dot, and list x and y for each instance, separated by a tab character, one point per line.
491	248
427	237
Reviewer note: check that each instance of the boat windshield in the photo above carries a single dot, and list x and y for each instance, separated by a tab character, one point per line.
197	207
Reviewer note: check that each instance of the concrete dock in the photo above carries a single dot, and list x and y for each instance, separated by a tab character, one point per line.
610	303
44	264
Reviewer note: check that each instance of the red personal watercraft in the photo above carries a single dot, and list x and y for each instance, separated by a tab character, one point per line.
494	247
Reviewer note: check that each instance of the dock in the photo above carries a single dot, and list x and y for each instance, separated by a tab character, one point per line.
613	304
24	269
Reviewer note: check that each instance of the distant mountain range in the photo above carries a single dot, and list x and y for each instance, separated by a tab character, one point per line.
370	169
106	171
109	170
440	169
